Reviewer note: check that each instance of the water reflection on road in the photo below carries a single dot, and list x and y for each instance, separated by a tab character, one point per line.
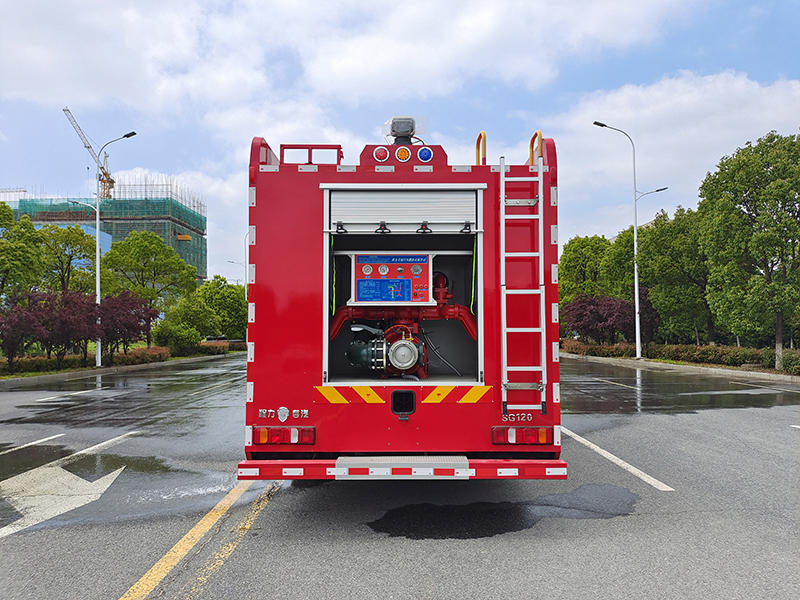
594	387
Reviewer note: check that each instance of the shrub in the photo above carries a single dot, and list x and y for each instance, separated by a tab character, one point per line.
139	356
212	348
179	338
732	356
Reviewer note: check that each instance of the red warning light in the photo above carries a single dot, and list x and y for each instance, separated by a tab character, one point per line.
381	154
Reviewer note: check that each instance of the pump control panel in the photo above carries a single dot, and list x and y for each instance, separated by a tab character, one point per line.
393	279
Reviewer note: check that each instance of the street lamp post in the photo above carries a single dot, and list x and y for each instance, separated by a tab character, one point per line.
96	209
636	196
244	264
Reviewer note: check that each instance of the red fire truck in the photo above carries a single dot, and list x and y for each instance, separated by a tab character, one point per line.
403	313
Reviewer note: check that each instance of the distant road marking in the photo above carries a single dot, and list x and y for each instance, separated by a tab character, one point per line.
41	441
795	426
169	561
214	563
766	387
619	462
70	394
213	387
633	387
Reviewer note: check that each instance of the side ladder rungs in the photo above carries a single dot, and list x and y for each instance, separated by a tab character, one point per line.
527	385
521	178
523	292
522	254
525	369
523	330
522	217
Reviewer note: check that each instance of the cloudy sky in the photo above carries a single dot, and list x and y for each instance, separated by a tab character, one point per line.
689	80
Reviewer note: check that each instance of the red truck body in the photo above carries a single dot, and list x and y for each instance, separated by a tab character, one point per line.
403	316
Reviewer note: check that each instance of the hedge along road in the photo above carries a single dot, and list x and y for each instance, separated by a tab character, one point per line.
174	523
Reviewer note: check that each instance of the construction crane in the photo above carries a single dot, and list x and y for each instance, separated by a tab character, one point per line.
106	182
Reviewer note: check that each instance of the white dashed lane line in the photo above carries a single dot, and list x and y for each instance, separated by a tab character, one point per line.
619	462
41	441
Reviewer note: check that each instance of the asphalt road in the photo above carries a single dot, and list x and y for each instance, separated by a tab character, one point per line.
154	514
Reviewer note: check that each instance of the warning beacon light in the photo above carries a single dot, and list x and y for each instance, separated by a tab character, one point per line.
405	129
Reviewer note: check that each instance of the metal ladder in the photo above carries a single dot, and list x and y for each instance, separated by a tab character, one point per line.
505	292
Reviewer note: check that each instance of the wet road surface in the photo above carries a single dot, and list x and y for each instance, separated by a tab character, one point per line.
591	387
729	528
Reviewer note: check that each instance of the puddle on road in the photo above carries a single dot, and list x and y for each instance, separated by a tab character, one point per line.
487	519
95	466
25	459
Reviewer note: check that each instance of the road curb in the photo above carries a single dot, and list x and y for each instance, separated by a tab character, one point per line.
71	375
643	363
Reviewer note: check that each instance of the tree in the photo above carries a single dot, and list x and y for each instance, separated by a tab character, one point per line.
20	322
124	319
144	265
675	268
579	268
69	319
616	267
193	311
751	234
178	337
600	318
229	303
67	250
20	253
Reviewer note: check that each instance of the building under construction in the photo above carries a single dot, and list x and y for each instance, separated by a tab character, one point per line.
157	204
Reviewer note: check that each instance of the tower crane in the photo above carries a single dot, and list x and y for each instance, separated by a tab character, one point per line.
106	182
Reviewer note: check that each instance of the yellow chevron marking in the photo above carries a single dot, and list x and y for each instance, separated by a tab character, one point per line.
475	394
368	394
332	395
438	394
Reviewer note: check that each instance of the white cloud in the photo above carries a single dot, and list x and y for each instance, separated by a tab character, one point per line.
158	56
681	125
282	69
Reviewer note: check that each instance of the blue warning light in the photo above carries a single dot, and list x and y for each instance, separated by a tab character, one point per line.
425	154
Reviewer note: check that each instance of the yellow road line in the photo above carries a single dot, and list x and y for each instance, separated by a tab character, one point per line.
215	562
161	569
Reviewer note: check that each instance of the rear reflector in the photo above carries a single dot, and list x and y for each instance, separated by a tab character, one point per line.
522	435
284	435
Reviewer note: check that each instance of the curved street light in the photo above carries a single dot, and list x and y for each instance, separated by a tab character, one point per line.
636	195
96	209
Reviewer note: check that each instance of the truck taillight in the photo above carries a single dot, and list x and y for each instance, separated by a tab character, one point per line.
284	435
522	435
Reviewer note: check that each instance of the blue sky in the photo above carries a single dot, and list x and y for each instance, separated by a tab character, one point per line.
689	80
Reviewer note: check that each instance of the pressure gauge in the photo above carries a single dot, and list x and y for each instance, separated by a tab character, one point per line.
416	269
383	269
366	269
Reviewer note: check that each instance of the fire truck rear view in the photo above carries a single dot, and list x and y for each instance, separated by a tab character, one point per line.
403	313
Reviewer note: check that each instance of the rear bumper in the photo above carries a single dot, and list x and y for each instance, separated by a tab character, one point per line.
403	467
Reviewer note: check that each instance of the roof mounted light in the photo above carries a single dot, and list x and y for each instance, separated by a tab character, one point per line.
404	129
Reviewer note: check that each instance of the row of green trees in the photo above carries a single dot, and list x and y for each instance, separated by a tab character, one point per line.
726	272
47	302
